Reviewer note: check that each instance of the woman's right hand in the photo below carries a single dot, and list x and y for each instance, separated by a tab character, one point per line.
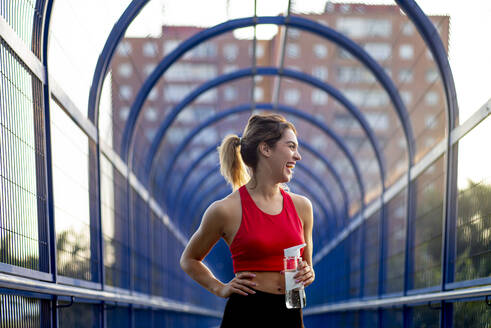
239	285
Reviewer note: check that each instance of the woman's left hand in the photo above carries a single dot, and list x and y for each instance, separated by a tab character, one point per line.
305	274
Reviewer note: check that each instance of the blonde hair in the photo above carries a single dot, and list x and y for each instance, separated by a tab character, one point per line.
236	154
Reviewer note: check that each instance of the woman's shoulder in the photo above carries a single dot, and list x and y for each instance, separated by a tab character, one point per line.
226	204
301	203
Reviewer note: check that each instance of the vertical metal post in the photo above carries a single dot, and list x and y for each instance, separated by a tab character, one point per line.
51	237
449	227
409	254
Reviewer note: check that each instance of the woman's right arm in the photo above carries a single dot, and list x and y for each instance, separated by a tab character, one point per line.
200	244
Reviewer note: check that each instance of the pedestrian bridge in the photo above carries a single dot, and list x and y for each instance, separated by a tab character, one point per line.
108	136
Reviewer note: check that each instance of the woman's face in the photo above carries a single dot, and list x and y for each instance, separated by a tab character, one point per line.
284	155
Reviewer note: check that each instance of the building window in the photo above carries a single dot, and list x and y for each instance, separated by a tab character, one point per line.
347	74
176	92
230	68
292	96
431	75
148	69
259	50
124	112
150	133
151	114
345	8
149	49
320	72
153	94
230	93
367	98
407	29
258	94
125	69
405	75
320	50
208	97
428	54
406	51
191	71
126	92
230	51
430	121
202	112
186	116
293	50
293	33
379	121
319	97
388	71
379	51
431	98
170	45
407	97
355	27
205	50
343	54
124	49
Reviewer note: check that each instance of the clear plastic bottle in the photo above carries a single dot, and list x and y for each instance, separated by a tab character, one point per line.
294	292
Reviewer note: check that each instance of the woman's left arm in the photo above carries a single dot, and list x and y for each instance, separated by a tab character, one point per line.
306	274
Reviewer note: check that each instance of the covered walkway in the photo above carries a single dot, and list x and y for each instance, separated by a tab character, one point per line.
110	115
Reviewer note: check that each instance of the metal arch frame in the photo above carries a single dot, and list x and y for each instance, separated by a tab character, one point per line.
102	67
239	109
298	22
157	141
215	170
223	194
306	189
188	172
177	200
279	108
192	209
434	43
333	171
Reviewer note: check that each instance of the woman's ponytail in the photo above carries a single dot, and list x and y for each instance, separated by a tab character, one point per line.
232	166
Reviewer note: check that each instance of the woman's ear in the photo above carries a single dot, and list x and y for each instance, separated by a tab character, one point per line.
264	149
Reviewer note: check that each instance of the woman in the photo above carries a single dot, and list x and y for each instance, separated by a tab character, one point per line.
257	221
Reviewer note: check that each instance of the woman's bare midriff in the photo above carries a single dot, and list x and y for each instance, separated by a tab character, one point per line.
269	281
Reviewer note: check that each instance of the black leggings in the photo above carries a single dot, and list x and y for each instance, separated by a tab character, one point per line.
260	310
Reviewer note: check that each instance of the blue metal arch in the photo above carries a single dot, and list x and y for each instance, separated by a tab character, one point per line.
187	174
298	22
334	172
157	141
193	205
326	129
106	55
176	202
201	210
433	41
216	171
224	114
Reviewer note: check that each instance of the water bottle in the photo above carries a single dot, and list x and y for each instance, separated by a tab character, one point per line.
294	292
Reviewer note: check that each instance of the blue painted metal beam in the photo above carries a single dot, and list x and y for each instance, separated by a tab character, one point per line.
194	205
215	171
106	56
321	125
297	22
334	172
161	132
242	108
177	201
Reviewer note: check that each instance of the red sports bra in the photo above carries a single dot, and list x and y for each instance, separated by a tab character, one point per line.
259	243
